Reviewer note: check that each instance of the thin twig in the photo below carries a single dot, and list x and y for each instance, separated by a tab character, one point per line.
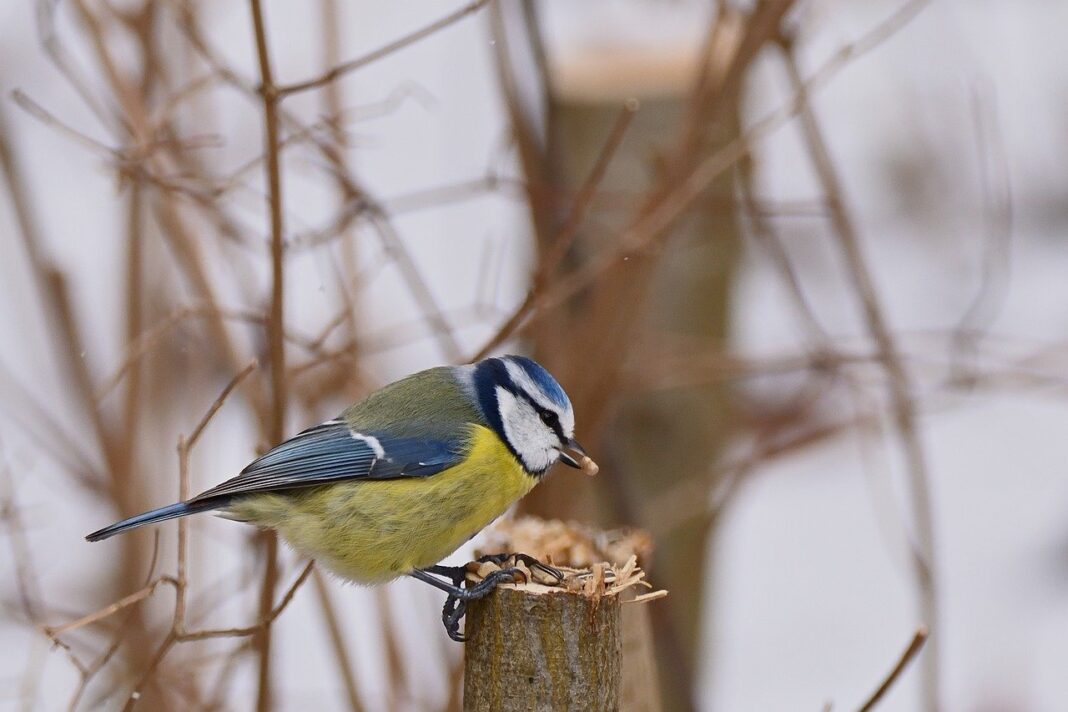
568	231
360	201
905	417
110	610
29	589
341	651
651	225
185	446
263	624
149	671
354	64
150	338
218	403
996	263
918	639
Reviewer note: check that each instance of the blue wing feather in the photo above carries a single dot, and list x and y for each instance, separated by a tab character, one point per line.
329	453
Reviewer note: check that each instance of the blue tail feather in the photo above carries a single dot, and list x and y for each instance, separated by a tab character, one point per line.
171	511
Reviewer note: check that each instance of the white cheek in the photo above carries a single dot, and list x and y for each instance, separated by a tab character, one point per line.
535	443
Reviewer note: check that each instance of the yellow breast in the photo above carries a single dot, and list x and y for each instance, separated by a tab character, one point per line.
372	531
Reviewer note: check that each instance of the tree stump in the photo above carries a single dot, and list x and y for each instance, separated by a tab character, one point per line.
543	649
565	643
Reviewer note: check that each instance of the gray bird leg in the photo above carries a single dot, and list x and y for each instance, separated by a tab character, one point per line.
456	602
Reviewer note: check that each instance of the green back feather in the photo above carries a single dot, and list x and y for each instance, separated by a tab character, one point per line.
428	404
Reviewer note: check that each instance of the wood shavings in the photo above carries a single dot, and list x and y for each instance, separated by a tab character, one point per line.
591	562
601	579
566	543
595	583
651	596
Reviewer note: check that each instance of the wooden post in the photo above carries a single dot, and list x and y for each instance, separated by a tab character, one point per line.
545	649
582	642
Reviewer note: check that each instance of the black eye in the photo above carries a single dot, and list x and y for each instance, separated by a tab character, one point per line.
550	418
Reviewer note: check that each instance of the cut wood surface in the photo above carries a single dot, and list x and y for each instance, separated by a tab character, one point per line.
558	644
547	650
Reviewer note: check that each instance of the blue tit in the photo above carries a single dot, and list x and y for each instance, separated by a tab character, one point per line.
403	478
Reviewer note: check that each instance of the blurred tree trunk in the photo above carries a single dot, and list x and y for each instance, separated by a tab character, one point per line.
675	300
653	440
671	300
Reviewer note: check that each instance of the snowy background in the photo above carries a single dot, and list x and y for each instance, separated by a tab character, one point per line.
811	599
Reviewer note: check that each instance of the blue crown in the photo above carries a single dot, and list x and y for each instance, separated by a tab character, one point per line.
543	378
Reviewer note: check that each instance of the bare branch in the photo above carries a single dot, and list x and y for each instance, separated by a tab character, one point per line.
913	649
385	51
107	611
264	622
275	330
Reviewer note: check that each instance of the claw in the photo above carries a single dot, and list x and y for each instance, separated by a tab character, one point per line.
456	602
452	621
451	614
527	559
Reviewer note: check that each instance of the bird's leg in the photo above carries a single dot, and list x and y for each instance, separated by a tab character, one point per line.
454	608
479	590
456	603
456	574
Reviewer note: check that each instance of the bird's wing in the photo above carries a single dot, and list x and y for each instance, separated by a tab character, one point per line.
333	451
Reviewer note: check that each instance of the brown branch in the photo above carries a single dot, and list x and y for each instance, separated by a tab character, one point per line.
651	225
341	651
177	632
275	332
532	145
568	231
149	338
52	291
185	446
386	50
149	671
214	408
904	410
88	671
363	204
918	639
107	611
54	440
265	621
770	240
29	589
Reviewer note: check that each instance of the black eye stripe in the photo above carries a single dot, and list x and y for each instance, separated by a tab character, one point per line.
553	421
549	417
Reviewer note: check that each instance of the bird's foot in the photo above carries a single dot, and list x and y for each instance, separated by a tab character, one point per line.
529	561
456	603
451	614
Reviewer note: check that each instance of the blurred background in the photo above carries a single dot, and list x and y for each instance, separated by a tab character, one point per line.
800	265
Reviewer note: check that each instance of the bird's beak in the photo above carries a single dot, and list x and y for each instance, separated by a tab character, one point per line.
569	461
573	445
585	464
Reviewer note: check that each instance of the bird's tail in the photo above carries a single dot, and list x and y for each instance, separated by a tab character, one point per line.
171	511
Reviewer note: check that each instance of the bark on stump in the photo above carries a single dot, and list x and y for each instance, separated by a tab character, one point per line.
529	650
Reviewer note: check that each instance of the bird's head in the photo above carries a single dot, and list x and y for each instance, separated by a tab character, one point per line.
529	410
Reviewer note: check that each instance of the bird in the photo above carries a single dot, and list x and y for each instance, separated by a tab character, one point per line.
400	480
